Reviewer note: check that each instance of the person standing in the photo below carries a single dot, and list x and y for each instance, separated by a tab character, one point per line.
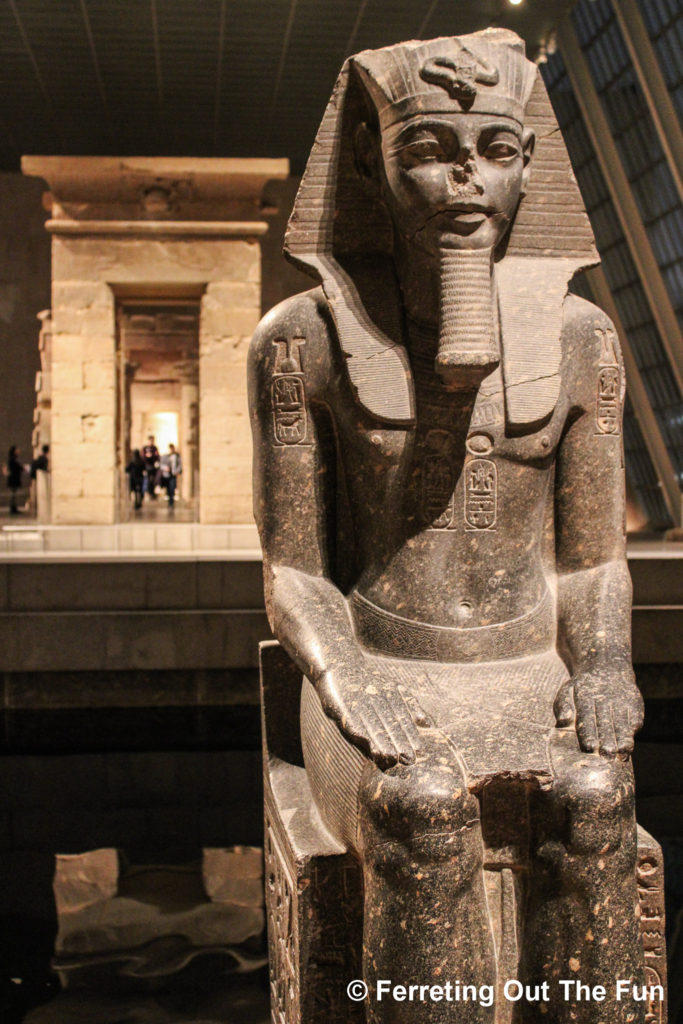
41	462
40	484
150	455
14	471
136	477
171	468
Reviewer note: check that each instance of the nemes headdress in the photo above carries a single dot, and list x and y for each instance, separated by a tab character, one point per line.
342	234
477	74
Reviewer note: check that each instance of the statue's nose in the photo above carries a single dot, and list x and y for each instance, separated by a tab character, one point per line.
466	154
465	172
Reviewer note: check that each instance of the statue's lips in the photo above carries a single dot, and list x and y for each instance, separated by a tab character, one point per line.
462	219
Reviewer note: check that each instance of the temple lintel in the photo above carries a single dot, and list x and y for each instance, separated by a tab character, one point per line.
169	188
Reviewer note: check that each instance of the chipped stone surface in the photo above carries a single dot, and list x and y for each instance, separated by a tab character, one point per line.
439	493
234	875
82	879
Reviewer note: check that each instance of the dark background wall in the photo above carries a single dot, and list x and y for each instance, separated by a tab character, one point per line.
24	292
279	278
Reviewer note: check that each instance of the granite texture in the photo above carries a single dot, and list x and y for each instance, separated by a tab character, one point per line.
440	496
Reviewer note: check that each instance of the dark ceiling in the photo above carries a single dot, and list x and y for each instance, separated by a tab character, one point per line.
203	77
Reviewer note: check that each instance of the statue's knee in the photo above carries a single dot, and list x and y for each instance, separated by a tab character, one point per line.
419	814
595	799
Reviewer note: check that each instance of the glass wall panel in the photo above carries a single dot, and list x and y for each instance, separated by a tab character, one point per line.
636	138
624	283
664	22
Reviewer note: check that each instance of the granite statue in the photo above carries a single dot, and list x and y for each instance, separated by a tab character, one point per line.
439	493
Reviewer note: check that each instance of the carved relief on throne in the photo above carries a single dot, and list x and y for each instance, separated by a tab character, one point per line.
282	932
650	882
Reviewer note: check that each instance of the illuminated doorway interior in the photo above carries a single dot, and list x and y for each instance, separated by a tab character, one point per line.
158	396
161	425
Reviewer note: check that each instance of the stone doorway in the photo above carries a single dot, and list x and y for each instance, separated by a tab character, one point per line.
158	386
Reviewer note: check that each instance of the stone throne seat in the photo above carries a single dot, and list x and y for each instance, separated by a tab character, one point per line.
314	885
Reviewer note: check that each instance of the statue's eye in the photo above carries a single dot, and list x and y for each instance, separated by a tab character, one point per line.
500	149
422	151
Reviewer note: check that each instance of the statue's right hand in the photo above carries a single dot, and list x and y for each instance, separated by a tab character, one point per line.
373	717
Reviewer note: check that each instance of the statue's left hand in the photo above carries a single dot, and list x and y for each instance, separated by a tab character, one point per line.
606	708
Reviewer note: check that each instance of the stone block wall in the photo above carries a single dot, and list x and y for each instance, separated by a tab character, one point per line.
24	292
83	394
229	313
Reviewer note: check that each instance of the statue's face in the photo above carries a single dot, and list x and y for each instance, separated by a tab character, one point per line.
454	180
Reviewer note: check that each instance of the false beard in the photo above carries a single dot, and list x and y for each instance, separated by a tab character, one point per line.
468	338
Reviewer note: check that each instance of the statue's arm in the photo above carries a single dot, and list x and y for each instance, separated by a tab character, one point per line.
307	612
594	585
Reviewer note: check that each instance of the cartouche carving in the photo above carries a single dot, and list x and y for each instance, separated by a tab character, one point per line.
481	494
290	416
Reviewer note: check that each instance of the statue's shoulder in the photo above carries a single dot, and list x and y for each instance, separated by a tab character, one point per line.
584	324
300	316
589	341
295	336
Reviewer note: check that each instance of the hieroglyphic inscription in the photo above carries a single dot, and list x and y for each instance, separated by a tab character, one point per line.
650	881
608	349
289	410
288	393
335	941
288	355
609	384
655	1006
438	480
481	494
282	932
487	413
438	492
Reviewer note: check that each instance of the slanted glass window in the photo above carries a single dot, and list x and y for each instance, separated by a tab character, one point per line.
624	282
664	23
636	138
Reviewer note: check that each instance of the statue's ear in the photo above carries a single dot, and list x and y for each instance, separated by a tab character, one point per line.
528	144
366	151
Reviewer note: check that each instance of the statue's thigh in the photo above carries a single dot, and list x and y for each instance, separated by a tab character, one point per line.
426	804
334	768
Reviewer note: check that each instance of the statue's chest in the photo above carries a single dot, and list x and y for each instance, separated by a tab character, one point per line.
457	467
486	433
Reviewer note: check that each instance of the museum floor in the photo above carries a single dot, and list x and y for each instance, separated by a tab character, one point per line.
198	999
151	512
24	538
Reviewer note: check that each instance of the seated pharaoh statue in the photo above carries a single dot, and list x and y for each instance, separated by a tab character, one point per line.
439	492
